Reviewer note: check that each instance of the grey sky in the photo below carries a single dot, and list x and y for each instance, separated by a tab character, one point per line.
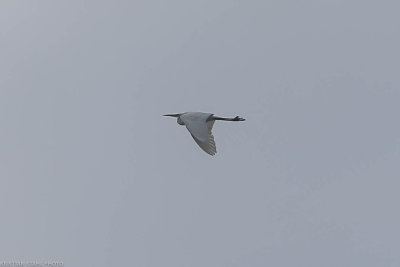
92	175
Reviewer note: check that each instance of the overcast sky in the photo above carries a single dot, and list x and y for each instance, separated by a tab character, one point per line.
93	175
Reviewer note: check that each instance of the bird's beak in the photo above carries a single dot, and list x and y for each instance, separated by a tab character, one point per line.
172	115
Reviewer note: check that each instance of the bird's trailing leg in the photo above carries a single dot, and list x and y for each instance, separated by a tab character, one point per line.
215	118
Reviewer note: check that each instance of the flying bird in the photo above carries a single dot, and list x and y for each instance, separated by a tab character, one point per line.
199	125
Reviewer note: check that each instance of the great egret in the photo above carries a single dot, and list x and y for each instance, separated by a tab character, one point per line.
199	125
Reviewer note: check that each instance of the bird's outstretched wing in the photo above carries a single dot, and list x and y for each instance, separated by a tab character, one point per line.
200	129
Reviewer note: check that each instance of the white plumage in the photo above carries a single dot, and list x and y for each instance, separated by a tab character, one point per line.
200	125
200	129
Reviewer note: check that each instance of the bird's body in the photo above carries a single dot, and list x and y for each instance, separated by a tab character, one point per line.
199	125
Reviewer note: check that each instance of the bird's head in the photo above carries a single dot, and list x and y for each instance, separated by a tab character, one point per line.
180	122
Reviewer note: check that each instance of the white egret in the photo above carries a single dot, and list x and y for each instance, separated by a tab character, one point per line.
199	125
